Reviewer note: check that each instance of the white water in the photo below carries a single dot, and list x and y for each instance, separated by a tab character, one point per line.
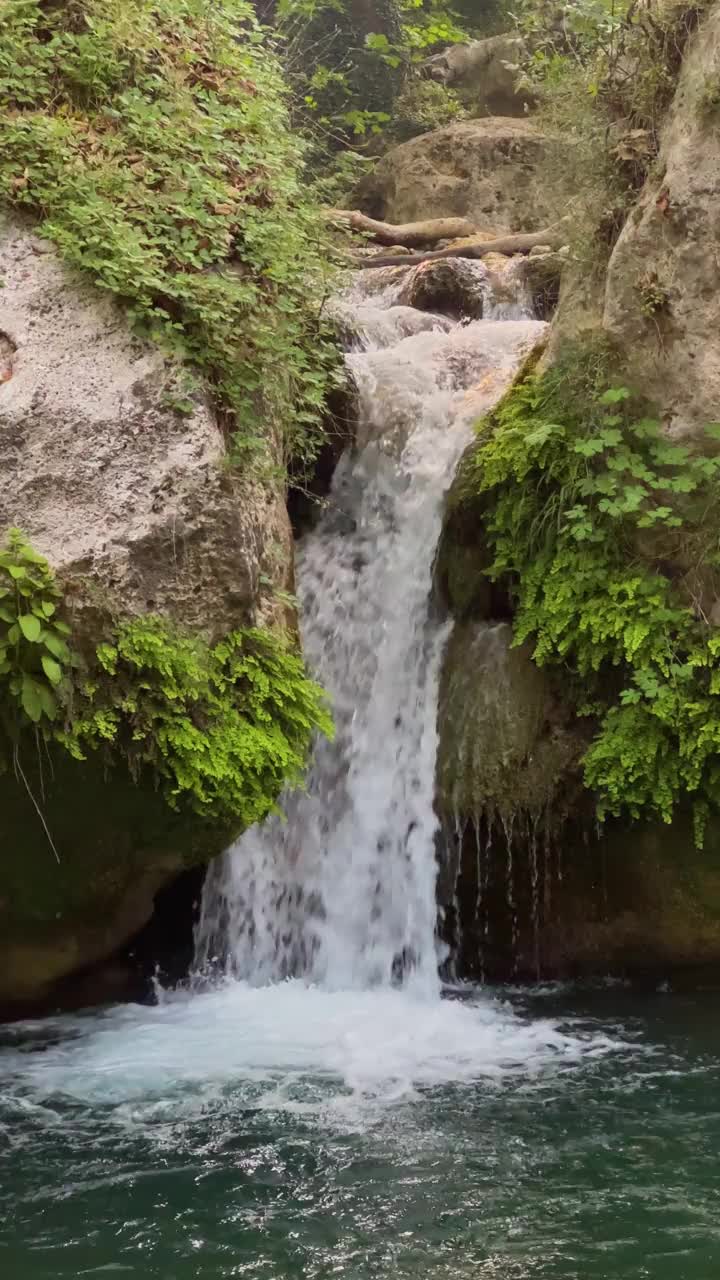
342	892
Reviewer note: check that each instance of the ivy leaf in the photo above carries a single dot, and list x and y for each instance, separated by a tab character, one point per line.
589	447
30	627
57	646
615	395
52	669
31	699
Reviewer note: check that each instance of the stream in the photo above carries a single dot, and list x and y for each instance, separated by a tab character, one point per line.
312	1101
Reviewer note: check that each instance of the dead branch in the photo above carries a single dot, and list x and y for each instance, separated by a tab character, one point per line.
522	242
408	234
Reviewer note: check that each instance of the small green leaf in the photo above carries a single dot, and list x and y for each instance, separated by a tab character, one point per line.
52	669
31	699
57	646
30	627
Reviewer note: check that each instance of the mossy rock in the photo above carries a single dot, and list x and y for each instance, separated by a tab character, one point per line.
504	747
117	844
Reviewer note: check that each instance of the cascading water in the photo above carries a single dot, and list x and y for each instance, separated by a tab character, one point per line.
342	891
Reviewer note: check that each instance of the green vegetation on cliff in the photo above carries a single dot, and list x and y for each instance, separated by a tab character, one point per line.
585	502
153	141
222	728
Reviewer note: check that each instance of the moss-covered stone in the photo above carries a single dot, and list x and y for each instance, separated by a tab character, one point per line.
117	844
504	749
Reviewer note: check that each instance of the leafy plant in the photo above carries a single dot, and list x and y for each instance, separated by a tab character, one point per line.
154	143
575	477
223	727
35	660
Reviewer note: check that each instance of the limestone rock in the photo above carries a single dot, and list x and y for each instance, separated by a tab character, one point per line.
133	506
485	72
477	169
128	498
663	282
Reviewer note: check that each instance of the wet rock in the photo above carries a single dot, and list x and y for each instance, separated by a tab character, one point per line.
452	287
132	503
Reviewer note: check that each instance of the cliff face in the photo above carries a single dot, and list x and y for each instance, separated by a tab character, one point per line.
663	280
537	886
133	505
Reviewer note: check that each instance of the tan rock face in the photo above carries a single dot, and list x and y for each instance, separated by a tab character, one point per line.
663	283
136	510
477	169
128	498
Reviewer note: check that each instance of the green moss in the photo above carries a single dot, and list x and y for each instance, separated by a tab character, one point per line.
574	478
153	142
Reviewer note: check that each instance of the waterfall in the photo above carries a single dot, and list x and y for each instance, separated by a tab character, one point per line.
340	890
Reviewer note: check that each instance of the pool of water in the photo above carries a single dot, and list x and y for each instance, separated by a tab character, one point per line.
291	1132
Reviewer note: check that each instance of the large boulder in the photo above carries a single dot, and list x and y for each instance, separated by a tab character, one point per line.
113	470
118	476
663	281
482	170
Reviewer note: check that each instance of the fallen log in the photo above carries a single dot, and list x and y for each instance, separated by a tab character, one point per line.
408	234
521	242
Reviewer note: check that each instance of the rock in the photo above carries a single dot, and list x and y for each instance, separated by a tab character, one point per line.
119	844
128	498
452	287
486	73
503	748
132	503
663	280
542	271
478	169
540	250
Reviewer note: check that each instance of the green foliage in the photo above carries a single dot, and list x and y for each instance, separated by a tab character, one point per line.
35	661
575	477
153	141
354	68
224	727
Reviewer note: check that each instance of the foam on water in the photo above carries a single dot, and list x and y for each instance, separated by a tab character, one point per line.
283	1046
